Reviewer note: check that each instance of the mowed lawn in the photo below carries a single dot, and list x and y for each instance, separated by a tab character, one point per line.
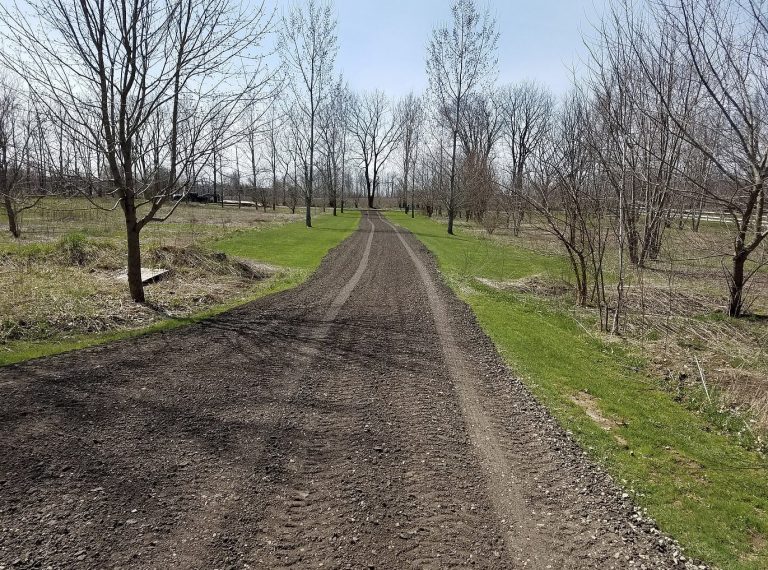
701	486
292	245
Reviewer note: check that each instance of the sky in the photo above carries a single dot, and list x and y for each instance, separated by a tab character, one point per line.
382	43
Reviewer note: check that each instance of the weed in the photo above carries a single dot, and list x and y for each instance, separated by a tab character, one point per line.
75	248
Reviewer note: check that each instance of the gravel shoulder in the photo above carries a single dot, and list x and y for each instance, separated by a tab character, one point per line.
360	420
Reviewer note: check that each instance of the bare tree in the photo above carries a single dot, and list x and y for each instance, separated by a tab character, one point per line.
308	47
285	159
274	124
411	116
640	147
20	138
435	166
260	130
459	60
723	47
297	146
568	193
528	109
480	129
333	121
125	62
376	130
358	189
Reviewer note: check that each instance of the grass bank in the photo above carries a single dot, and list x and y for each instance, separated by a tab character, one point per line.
295	250
700	485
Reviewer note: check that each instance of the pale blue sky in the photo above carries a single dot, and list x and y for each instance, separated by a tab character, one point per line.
382	42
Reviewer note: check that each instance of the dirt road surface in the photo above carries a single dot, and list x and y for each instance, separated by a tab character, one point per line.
361	420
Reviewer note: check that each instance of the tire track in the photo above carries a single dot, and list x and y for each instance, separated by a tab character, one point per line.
220	493
523	537
298	500
380	474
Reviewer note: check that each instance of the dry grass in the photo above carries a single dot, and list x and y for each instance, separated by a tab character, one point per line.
675	314
50	295
532	284
60	279
684	333
55	218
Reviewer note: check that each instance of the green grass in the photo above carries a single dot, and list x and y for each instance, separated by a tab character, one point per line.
701	486
297	250
291	245
466	255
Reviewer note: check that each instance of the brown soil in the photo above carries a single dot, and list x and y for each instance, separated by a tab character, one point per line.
360	420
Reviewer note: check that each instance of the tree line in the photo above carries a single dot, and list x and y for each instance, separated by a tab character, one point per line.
147	101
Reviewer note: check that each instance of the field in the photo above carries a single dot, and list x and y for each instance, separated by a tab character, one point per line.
675	309
61	278
694	465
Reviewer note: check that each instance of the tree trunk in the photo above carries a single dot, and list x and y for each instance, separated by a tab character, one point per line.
736	286
697	213
654	241
583	281
134	251
13	224
452	190
309	169
215	195
632	241
334	189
